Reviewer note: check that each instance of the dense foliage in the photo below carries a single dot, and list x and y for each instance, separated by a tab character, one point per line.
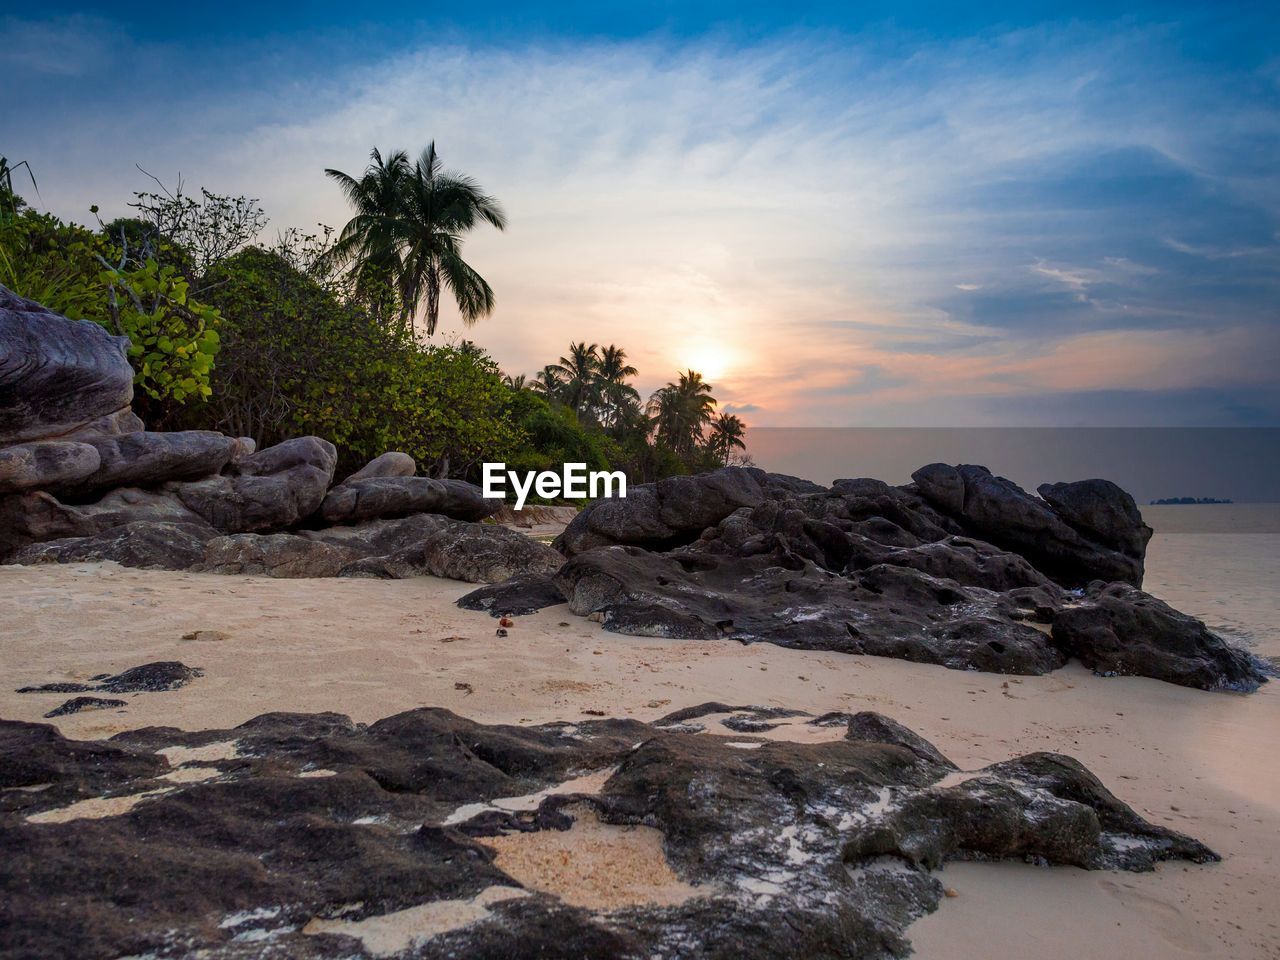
314	334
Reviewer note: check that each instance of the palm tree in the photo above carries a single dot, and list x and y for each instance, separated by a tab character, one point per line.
681	410
548	382
408	228
579	374
517	382
726	433
612	375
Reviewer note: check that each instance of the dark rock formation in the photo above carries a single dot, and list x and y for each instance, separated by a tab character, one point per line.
1082	531
275	555
521	595
379	497
147	544
149	459
1117	629
474	552
795	850
80	704
39	516
56	375
148	678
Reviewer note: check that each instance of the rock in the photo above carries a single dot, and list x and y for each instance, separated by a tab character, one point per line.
245	447
535	514
393	496
275	555
149	459
145	544
271	489
1117	629
474	552
155	677
114	424
79	704
39	516
56	375
674	511
390	464
997	510
796	849
523	594
45	463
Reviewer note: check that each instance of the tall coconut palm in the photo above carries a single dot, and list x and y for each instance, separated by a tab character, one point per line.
409	223
727	431
615	393
580	376
681	410
548	382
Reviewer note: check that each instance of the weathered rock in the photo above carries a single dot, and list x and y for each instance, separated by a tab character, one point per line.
271	489
393	463
80	704
523	594
146	544
275	555
112	425
397	496
474	552
795	849
45	463
1117	629
149	459
56	375
1105	538
155	677
37	517
674	511
883	610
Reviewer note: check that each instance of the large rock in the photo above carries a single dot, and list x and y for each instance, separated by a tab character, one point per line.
393	463
45	463
39	516
56	375
381	497
1098	535
674	511
146	459
144	543
271	489
1117	629
275	555
318	828
473	552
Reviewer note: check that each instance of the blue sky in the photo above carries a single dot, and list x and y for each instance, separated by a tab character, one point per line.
1029	215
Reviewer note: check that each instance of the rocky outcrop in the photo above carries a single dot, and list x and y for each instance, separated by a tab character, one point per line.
674	511
145	459
45	463
147	544
1117	629
39	517
522	594
56	375
312	829
473	552
380	497
1083	531
274	555
390	464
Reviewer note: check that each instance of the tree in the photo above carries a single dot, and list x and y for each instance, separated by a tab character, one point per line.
615	393
726	433
407	232
579	376
680	411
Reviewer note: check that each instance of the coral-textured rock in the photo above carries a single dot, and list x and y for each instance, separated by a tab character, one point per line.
45	463
56	375
786	850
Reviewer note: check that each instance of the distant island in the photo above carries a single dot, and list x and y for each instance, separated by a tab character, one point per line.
1172	500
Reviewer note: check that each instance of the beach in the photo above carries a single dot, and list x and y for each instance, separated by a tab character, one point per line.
1202	763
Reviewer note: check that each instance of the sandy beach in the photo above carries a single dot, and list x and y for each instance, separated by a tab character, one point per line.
1202	763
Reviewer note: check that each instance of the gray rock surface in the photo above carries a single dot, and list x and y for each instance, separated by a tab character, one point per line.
145	459
42	464
393	463
473	552
382	497
146	544
56	375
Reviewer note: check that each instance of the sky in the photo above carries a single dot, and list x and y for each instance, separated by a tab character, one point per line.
843	215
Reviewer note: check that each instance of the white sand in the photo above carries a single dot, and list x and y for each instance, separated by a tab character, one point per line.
1203	763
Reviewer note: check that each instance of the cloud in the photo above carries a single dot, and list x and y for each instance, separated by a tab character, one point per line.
851	228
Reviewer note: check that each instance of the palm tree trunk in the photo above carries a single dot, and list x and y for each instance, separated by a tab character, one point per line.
433	298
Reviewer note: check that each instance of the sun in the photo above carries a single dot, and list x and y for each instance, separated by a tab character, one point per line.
709	359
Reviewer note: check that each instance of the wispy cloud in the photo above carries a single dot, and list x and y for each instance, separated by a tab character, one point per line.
855	230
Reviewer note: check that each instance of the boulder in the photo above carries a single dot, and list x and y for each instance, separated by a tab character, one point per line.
1118	629
523	594
271	489
146	544
112	425
42	464
275	555
146	459
999	511
39	516
390	464
791	849
56	375
396	496
473	552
